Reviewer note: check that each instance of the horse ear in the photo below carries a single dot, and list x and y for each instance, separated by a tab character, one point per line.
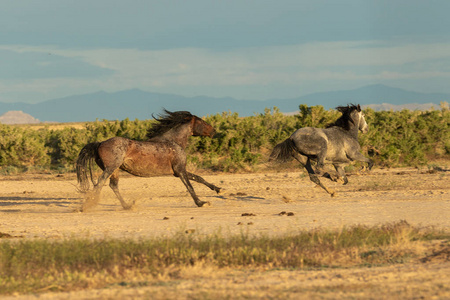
358	107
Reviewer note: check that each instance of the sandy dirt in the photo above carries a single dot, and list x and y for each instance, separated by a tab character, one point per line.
43	206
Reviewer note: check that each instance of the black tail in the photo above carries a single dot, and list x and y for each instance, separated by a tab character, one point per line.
84	162
283	151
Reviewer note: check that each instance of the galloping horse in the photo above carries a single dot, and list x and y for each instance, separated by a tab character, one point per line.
163	153
336	144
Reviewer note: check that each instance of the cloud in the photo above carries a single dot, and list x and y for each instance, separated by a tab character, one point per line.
30	65
281	64
264	72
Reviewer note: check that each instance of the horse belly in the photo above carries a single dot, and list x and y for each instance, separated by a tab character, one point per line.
148	162
338	149
335	155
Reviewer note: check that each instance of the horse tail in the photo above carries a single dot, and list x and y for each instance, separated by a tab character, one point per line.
84	162
283	151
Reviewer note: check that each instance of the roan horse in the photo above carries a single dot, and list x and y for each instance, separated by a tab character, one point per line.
336	144
163	153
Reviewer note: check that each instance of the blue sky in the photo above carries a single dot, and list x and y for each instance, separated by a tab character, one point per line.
242	49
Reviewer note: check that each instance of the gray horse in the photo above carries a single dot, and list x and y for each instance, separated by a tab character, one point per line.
336	144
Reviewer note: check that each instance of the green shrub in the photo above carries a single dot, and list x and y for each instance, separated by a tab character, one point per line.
404	138
22	148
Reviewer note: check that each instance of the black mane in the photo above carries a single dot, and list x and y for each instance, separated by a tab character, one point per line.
345	120
168	121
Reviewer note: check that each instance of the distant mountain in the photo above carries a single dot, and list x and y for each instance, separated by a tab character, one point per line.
137	104
409	106
132	104
367	96
17	117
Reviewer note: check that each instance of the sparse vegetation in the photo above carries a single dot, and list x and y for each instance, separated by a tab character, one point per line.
404	138
78	263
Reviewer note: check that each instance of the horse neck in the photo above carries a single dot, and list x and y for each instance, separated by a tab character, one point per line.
179	135
353	131
354	128
347	126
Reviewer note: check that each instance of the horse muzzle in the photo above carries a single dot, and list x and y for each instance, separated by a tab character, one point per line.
212	133
365	129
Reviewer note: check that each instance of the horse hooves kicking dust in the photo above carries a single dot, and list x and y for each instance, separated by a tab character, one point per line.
336	144
162	154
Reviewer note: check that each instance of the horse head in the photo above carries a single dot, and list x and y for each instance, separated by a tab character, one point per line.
362	124
201	128
352	117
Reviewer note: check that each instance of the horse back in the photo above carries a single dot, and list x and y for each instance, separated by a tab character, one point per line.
310	141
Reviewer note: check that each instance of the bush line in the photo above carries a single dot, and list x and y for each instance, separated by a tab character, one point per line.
403	138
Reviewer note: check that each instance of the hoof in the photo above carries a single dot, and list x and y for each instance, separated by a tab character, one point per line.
129	206
217	190
201	203
333	194
328	176
82	209
339	180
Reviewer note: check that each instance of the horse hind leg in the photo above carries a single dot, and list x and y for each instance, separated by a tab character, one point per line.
320	157
92	198
306	162
313	177
114	185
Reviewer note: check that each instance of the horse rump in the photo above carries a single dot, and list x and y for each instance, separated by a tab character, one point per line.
85	160
283	151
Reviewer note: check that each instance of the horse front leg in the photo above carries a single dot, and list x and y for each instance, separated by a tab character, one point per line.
341	173
185	179
359	157
199	179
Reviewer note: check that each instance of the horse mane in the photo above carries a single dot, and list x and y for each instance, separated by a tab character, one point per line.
345	120
167	121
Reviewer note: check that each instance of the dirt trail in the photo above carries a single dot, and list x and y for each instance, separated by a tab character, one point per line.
44	207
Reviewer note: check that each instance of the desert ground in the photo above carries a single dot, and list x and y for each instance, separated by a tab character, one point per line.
47	206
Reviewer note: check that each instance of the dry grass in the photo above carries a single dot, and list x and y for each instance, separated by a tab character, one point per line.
74	264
